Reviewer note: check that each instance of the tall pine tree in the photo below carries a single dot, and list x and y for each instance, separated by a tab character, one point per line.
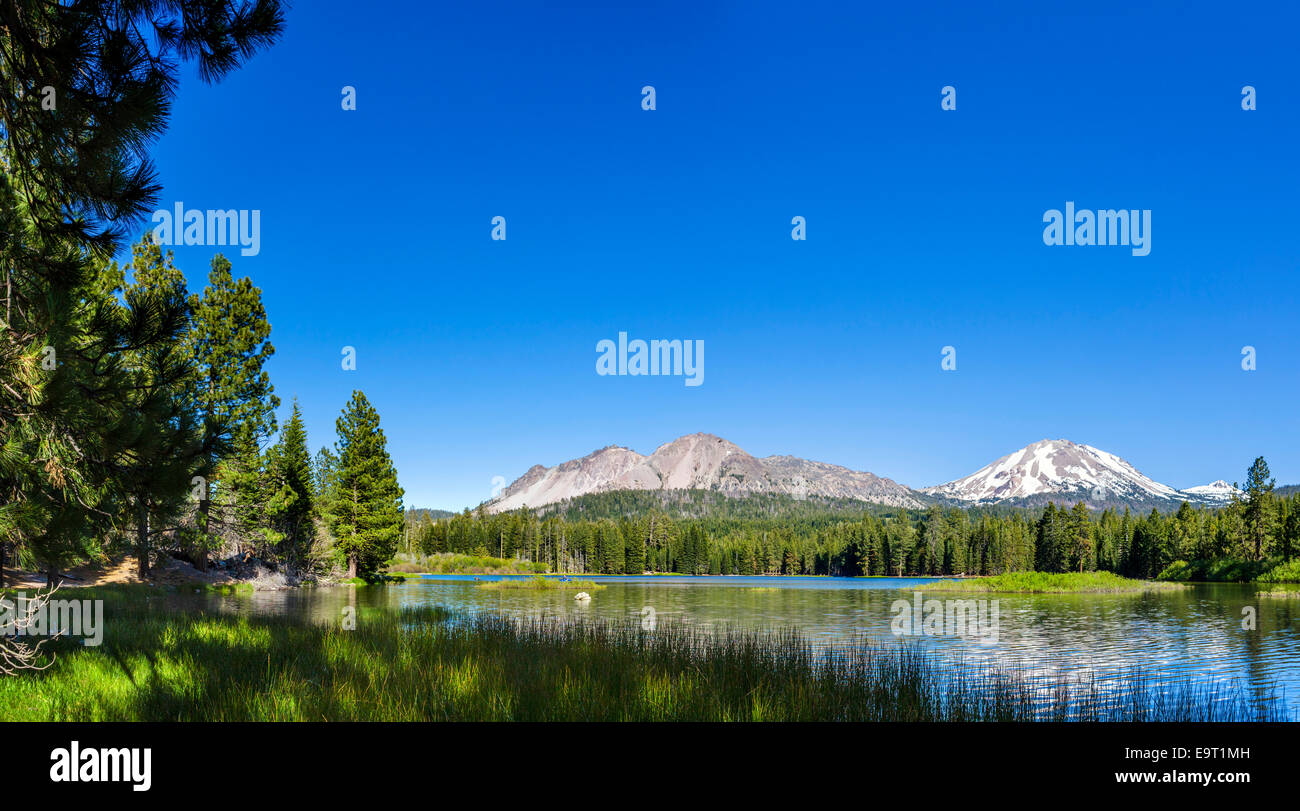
230	346
168	450
367	510
1260	512
291	505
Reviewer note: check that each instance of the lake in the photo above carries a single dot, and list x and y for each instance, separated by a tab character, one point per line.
1190	634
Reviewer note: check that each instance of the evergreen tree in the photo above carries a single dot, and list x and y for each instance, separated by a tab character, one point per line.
900	535
1182	535
367	512
1048	552
75	178
324	477
634	561
291	505
167	459
1290	536
230	346
1082	553
1260	512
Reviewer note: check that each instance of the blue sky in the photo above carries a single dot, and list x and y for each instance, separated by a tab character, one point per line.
924	229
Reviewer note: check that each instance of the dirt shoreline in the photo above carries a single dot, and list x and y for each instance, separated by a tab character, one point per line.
124	570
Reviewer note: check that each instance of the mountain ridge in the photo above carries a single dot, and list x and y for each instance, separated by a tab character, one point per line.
1039	472
697	461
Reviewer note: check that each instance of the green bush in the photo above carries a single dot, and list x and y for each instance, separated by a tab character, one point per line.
1288	572
1219	570
1180	571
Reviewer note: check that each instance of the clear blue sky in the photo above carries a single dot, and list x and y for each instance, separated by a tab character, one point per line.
924	229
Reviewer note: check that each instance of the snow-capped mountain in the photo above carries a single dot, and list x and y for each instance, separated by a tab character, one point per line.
1215	492
1058	469
697	461
1049	470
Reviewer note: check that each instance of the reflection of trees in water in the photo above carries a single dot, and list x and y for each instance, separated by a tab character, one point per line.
1172	636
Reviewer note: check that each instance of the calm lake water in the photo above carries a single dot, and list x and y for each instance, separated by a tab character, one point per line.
1194	633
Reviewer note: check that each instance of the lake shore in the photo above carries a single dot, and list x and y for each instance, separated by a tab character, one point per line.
426	663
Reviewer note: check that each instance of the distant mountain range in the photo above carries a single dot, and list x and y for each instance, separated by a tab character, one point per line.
1051	469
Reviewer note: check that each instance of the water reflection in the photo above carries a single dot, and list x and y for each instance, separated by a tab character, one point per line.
1194	633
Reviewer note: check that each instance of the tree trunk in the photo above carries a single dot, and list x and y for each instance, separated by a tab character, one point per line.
3	548
142	538
352	566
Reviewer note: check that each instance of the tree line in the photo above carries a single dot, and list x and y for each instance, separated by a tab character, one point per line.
136	416
632	533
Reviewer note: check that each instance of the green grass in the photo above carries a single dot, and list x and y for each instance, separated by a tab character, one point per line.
451	563
540	583
226	588
1047	583
158	664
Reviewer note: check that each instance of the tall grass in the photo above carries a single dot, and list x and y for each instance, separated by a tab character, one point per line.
425	664
539	583
453	563
1049	583
1287	594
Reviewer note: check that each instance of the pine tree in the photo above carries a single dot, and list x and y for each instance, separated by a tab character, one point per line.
291	505
1260	512
324	476
1082	552
899	534
1047	553
230	346
634	560
167	455
1290	536
75	178
1182	535
367	513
